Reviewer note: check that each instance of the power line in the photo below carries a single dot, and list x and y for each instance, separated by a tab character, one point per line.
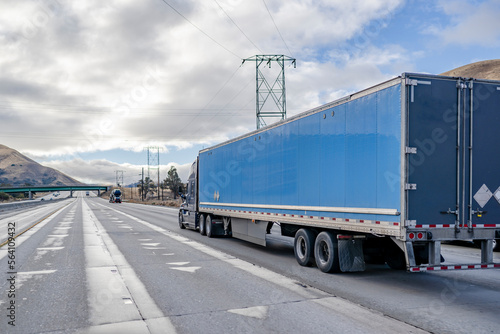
264	1
200	30
229	17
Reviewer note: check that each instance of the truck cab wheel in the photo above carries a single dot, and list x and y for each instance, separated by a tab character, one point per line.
203	224
326	252
303	247
208	226
181	221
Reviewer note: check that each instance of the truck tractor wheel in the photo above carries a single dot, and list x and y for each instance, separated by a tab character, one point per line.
303	247
208	226
326	252
181	221
202	224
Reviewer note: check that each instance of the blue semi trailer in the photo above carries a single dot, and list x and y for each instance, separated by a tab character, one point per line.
383	175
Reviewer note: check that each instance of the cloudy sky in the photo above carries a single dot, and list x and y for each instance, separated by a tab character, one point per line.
86	86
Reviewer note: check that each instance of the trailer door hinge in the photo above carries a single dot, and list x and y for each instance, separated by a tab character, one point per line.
412	83
411	186
411	150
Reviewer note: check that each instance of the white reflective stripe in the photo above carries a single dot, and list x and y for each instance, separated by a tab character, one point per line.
374	211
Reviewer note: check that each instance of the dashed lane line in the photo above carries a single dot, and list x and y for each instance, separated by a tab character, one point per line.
38	222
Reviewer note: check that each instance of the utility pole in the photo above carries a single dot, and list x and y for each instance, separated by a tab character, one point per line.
142	185
119	178
264	90
154	163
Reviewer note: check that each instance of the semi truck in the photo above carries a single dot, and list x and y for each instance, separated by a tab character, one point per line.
115	196
385	175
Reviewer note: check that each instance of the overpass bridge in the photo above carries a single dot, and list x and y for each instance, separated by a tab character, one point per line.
31	189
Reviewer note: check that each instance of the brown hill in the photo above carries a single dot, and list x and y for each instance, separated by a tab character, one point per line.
486	69
17	170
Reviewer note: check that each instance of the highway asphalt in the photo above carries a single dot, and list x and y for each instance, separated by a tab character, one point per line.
99	267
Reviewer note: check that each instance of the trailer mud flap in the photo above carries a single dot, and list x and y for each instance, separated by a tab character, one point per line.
351	254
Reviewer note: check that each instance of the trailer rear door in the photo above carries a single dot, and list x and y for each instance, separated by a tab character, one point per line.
484	194
434	117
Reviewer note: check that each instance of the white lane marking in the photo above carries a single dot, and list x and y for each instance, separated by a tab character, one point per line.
154	248
39	272
49	248
62	228
144	239
30	232
178	263
187	269
138	294
57	235
259	312
151	244
168	254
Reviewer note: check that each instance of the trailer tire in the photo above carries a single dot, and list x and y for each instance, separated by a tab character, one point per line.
326	252
202	224
181	221
303	247
208	226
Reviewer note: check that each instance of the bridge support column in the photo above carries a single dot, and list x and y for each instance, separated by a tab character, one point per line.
71	193
30	194
98	192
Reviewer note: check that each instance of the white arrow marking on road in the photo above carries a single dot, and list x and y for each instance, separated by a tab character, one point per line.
259	312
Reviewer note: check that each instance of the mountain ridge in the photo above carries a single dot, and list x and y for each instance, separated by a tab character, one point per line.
18	170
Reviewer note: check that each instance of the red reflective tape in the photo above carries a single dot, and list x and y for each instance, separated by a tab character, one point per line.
471	267
432	225
377	222
347	220
322	218
446	225
430	268
269	213
490	225
361	221
458	267
418	226
444	267
497	265
395	224
484	266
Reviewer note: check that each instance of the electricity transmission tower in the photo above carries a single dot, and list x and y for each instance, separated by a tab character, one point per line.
119	178
154	163
264	89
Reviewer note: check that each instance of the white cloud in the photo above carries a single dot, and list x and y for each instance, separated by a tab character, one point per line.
470	23
94	76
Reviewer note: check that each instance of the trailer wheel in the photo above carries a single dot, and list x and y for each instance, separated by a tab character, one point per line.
303	247
208	226
181	221
326	252
202	224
